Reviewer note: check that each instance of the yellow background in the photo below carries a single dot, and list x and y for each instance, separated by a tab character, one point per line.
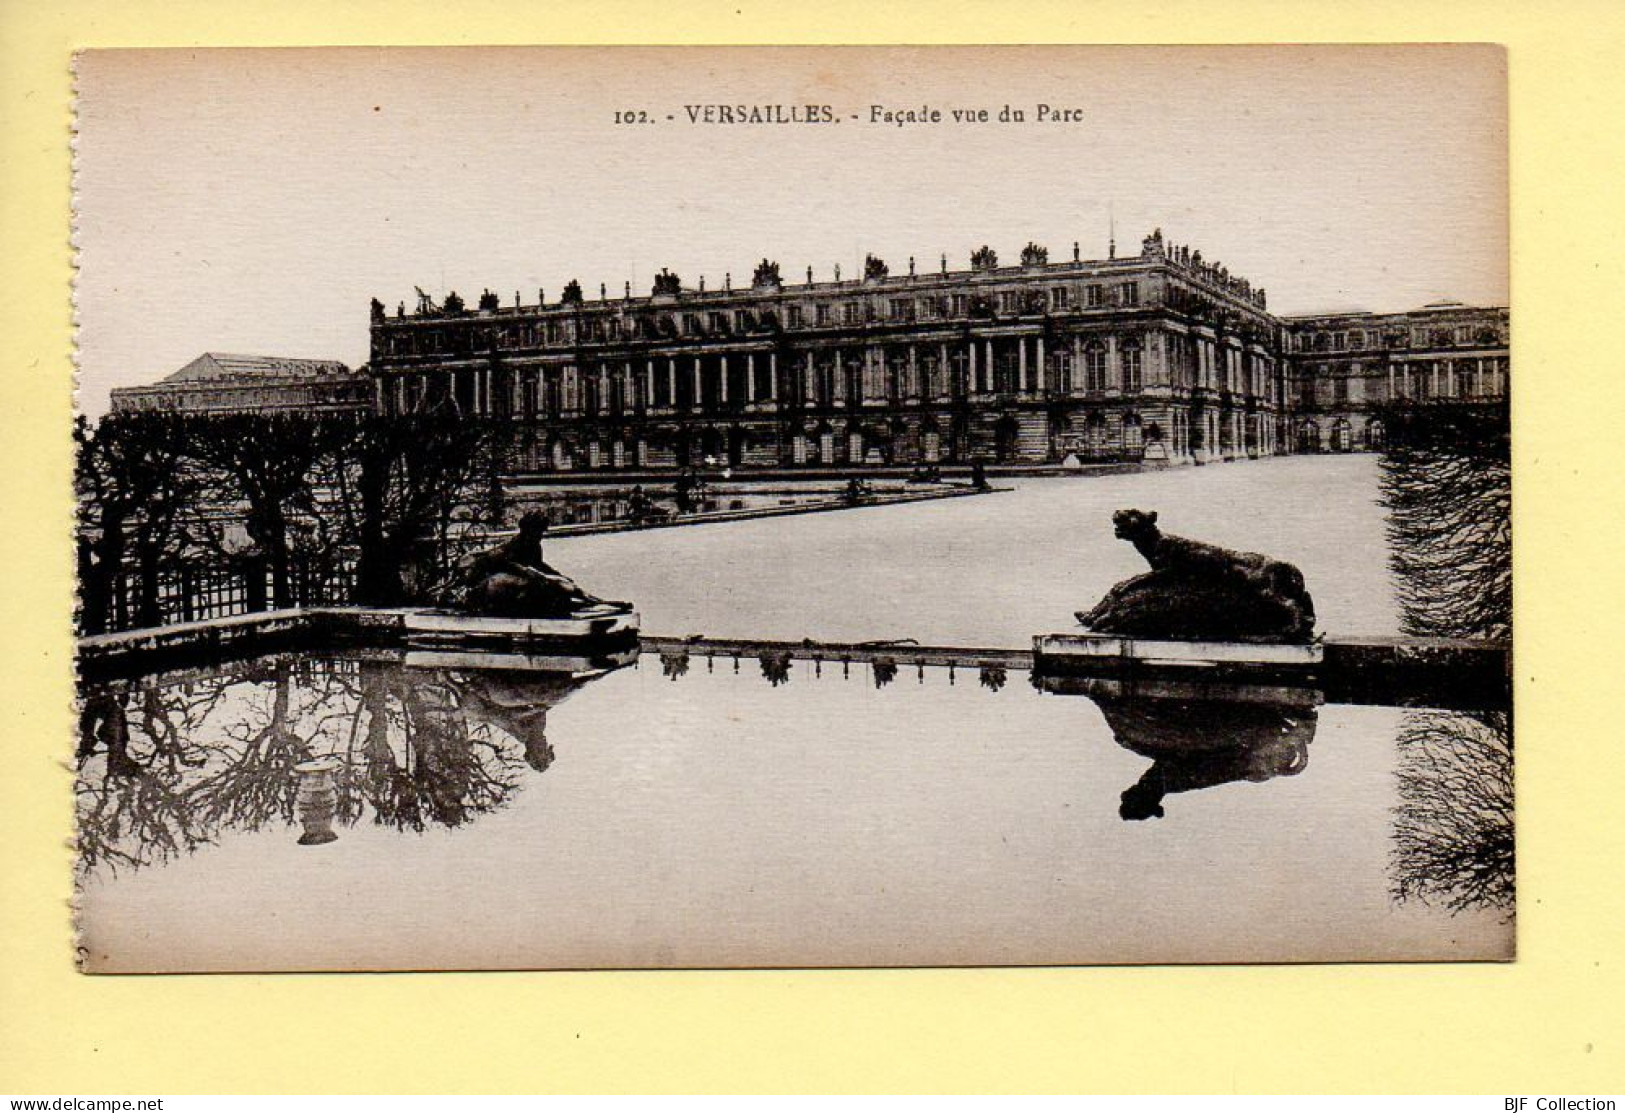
1548	1024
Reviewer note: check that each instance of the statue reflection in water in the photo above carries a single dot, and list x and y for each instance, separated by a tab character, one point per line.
516	702
1202	743
171	763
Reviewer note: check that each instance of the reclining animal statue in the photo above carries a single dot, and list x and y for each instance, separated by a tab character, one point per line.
1201	592
511	580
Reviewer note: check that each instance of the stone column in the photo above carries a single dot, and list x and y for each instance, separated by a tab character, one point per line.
989	377
917	390
1114	373
722	379
945	372
810	387
974	386
1021	363
838	387
671	382
1077	364
1042	376
750	376
772	376
699	392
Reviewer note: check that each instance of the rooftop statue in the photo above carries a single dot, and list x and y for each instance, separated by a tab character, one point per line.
1201	592
511	580
984	258
667	283
767	274
1034	256
874	267
572	293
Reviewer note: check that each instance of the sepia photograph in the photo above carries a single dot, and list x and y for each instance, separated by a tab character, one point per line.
550	508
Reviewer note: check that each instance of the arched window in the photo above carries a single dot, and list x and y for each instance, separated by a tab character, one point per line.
1133	436
1373	435
1095	434
1308	437
1094	367
1061	366
1131	366
1342	436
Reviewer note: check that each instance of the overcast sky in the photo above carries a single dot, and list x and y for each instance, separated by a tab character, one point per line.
253	201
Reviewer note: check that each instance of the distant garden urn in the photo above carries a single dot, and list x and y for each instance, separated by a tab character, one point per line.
1201	592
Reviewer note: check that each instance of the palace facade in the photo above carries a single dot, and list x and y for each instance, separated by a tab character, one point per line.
1159	356
217	383
1343	367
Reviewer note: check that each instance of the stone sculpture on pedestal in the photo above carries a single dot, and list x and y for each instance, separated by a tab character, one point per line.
1201	592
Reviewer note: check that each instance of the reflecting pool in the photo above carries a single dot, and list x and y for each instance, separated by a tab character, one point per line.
394	810
995	570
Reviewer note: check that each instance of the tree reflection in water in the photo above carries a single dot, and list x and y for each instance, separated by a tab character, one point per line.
776	666
167	765
1446	483
1453	827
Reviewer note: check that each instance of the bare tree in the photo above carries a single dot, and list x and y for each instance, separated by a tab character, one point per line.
406	489
1447	485
269	463
136	485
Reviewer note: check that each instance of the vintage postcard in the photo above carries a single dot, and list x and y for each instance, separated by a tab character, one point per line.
551	508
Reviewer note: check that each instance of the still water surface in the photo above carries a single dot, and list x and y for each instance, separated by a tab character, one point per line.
697	812
714	818
997	569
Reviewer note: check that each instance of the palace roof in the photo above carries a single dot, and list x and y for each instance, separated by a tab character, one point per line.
222	367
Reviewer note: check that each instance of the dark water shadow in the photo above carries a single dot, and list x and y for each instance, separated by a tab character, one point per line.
173	762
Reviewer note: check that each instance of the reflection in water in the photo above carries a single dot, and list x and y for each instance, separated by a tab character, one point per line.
776	667
317	801
884	669
674	664
170	763
1453	825
1202	743
1446	482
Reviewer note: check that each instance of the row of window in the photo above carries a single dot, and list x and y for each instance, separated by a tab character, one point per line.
241	399
1470	378
1353	340
821	379
600	328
